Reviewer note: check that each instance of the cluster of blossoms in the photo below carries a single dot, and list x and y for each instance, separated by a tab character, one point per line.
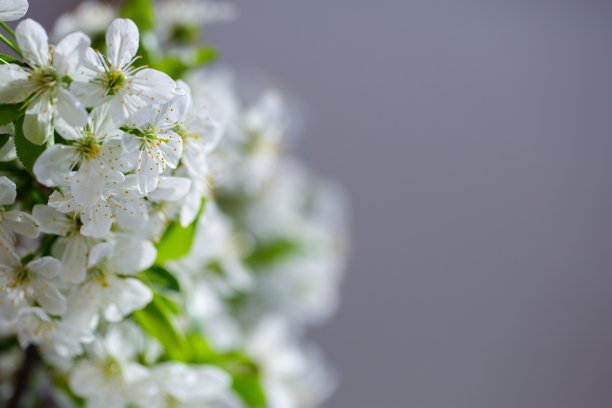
158	248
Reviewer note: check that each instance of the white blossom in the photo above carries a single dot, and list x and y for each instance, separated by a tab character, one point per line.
110	377
44	83
34	282
152	141
113	78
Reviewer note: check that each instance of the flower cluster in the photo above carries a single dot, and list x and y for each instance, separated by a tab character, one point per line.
158	248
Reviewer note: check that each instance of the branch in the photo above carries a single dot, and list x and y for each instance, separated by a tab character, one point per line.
22	377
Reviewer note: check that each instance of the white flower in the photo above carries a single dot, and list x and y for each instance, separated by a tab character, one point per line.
12	222
217	248
90	17
113	79
95	149
152	142
120	202
34	326
183	384
44	83
71	248
11	10
293	376
104	291
33	282
110	377
248	156
200	134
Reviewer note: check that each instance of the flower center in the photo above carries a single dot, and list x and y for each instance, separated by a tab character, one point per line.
111	367
22	276
185	134
89	147
44	77
114	81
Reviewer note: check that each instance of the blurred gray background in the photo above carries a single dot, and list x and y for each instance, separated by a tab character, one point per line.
474	137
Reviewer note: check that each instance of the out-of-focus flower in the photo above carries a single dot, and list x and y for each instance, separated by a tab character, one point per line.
11	10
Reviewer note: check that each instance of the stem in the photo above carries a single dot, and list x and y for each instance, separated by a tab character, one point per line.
30	362
7	28
11	44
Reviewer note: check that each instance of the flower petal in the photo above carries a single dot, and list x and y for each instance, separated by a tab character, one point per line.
11	10
51	221
47	267
33	42
49	297
70	53
22	223
74	258
37	127
122	39
125	296
53	166
8	191
70	108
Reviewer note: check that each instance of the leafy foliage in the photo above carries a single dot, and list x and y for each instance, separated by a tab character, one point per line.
141	12
9	113
177	240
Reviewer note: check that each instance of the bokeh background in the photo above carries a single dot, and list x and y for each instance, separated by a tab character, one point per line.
474	138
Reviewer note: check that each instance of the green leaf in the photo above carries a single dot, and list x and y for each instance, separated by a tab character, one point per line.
9	113
3	140
7	59
204	55
176	66
249	388
27	152
156	320
162	278
201	351
271	252
141	12
177	240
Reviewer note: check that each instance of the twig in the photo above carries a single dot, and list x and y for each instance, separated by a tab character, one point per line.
30	362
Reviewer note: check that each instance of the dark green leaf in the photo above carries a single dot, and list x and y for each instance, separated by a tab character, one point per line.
141	12
27	152
162	278
9	113
177	240
156	320
3	140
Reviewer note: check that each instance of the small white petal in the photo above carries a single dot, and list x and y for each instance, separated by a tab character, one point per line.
54	164
51	221
11	10
37	127
22	223
33	42
47	267
74	258
70	52
171	189
122	40
8	191
49	297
